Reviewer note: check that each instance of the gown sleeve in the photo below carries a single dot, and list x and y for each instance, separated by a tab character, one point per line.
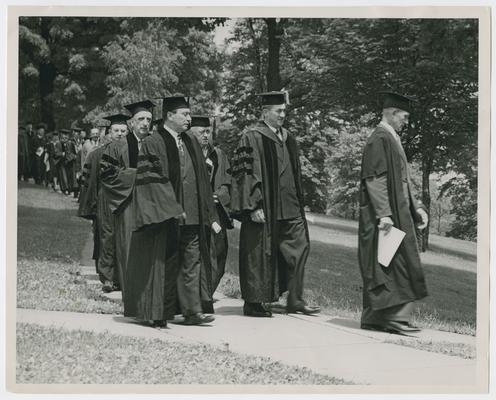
154	196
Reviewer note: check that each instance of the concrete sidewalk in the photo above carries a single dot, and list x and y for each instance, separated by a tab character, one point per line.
329	345
326	345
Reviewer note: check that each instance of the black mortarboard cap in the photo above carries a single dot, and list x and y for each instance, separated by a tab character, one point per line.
68	131
117	119
396	100
274	98
41	125
145	105
200	120
173	103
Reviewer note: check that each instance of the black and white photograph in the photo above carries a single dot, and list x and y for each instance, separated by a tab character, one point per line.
261	201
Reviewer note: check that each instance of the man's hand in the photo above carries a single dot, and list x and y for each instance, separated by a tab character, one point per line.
385	223
425	218
216	227
258	216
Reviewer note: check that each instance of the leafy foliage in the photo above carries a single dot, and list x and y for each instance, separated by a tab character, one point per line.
78	68
334	69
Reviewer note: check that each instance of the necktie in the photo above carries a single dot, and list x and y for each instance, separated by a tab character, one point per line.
180	147
279	134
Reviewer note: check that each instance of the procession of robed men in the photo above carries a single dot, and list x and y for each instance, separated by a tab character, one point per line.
161	197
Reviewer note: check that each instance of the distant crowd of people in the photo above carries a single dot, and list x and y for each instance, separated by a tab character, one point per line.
55	159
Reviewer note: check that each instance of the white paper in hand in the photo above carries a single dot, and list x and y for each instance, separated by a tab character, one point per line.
388	245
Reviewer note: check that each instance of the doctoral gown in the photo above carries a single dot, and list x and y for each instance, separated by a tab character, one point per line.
221	181
256	176
37	158
153	257
403	281
94	206
117	175
23	155
67	165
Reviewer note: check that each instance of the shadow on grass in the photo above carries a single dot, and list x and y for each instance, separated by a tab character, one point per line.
333	280
50	234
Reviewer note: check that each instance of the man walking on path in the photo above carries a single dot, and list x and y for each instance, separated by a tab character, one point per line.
23	154
38	154
218	168
268	200
386	200
94	206
174	218
66	153
117	173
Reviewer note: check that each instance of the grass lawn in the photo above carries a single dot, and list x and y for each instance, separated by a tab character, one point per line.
50	234
50	355
57	286
49	246
461	350
332	280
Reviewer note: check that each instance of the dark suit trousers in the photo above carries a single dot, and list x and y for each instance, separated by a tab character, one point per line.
188	280
294	249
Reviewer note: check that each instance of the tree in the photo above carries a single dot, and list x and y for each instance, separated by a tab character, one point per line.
340	65
63	72
63	54
158	61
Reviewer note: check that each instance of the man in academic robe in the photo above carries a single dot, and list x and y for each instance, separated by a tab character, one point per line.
55	153
174	219
268	200
78	138
218	168
23	154
67	153
94	205
49	166
117	173
38	154
89	144
386	200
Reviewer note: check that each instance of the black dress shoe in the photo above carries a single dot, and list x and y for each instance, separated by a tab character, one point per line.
256	310
409	327
307	310
198	319
372	327
389	327
158	323
107	287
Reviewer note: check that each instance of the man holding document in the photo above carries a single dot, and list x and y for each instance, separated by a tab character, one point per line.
388	211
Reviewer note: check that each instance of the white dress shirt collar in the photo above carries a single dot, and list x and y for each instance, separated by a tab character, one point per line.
174	134
271	127
390	129
277	131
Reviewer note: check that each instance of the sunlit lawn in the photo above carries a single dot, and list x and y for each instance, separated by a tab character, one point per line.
332	280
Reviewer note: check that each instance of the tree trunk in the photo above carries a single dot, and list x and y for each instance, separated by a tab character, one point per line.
274	31
258	56
426	196
47	79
